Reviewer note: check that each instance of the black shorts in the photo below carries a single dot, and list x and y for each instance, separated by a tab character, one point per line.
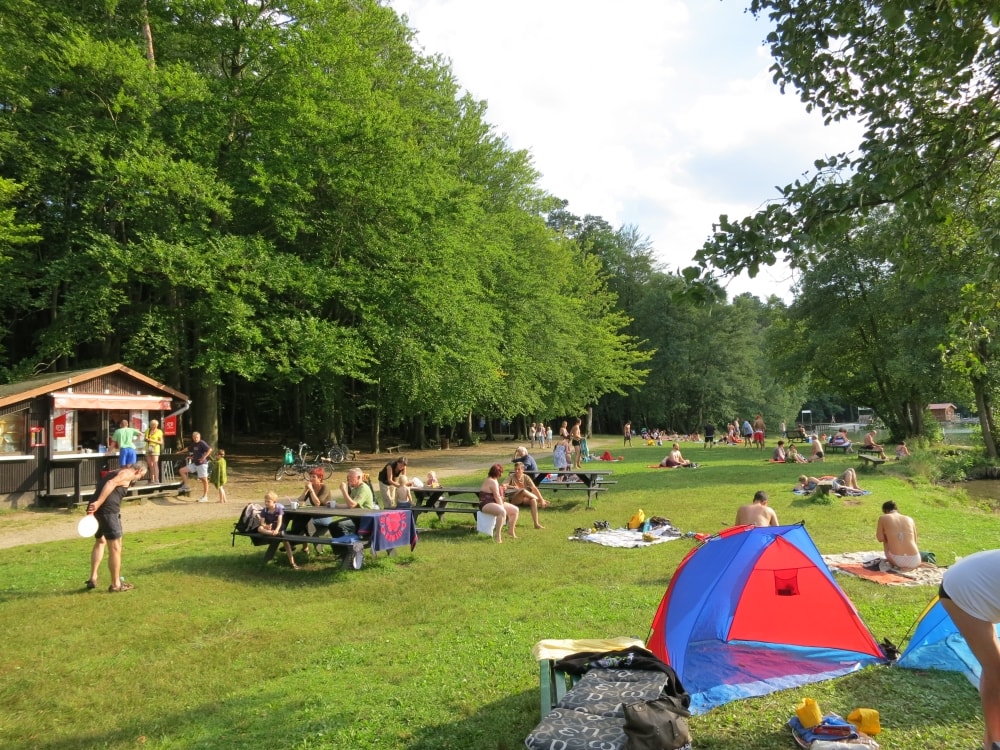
110	527
942	594
574	441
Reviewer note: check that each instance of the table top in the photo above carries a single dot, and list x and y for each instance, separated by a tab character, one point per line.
453	490
581	472
325	511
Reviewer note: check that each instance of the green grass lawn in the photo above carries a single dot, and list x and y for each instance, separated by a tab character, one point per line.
431	649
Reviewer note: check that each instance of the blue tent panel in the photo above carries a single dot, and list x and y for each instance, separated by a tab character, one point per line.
754	610
719	672
937	644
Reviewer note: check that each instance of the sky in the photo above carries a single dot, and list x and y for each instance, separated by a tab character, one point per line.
660	114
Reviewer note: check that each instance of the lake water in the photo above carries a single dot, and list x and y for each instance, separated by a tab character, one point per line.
984	489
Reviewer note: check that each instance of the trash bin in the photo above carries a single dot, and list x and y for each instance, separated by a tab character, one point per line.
445	443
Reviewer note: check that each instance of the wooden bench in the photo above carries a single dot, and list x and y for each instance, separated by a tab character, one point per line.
871	457
396	448
831	447
352	553
592	492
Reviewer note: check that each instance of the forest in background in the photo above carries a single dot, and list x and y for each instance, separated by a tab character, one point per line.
287	212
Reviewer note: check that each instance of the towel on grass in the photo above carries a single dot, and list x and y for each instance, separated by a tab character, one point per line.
853	563
626	538
559	648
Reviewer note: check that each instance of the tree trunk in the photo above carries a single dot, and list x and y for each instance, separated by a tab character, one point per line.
147	33
205	412
985	417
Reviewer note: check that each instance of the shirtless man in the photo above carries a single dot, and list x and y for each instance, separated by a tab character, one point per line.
898	535
870	444
757	513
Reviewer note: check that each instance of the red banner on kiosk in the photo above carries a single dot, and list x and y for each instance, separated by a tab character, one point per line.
170	426
59	426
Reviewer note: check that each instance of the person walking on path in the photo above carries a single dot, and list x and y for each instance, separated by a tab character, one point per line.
197	464
218	473
107	509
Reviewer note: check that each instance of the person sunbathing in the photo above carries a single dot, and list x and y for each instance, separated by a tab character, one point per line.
779	456
674	459
849	481
757	513
792	455
807	484
898	535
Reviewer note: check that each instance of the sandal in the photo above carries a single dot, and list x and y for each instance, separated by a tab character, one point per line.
124	587
90	584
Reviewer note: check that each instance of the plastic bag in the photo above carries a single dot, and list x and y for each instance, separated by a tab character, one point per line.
637	519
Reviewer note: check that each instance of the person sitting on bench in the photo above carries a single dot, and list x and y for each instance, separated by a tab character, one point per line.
272	519
356	494
871	445
840	440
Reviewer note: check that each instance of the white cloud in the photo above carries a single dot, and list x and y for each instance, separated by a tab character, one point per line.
657	113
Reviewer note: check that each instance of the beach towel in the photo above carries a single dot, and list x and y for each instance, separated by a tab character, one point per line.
860	565
628	538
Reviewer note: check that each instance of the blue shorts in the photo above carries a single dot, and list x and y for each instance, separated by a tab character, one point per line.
126	457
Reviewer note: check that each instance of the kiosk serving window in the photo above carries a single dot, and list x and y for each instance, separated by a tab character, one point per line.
13	432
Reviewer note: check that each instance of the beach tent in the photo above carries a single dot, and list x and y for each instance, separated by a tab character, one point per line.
753	610
937	644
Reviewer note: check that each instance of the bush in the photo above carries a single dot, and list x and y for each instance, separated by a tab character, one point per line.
932	428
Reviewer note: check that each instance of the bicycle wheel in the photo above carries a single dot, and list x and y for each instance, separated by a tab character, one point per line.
335	454
285	470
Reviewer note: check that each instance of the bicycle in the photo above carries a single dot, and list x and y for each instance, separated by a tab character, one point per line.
334	454
295	463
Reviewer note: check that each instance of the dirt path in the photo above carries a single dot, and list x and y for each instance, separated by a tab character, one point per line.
249	478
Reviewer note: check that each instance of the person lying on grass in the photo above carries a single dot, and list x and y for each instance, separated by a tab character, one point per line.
673	459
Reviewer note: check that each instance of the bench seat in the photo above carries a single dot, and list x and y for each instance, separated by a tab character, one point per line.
835	448
351	551
871	457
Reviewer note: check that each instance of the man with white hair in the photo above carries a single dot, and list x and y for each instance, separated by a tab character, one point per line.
521	456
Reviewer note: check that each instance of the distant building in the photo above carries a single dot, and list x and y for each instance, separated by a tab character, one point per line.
944	412
55	430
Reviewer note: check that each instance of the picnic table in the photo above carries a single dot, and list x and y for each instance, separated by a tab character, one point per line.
583	480
437	499
378	530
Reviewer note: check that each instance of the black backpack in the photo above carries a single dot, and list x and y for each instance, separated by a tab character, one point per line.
250	519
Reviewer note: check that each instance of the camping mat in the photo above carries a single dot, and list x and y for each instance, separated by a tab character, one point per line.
629	537
852	563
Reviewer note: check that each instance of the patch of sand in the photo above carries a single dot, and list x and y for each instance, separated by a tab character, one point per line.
250	476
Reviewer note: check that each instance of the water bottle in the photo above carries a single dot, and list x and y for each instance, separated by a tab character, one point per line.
646	526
